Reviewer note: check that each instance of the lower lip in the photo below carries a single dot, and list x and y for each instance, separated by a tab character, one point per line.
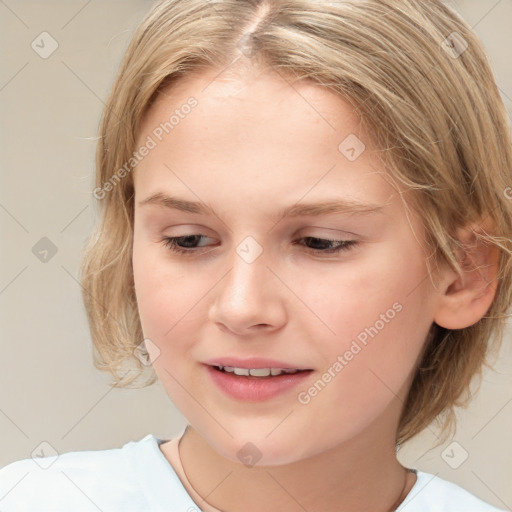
255	389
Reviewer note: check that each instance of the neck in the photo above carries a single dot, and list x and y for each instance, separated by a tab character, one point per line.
358	475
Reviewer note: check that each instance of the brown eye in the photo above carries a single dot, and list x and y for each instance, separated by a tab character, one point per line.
182	244
325	246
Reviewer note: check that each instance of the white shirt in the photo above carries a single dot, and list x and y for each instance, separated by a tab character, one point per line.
139	478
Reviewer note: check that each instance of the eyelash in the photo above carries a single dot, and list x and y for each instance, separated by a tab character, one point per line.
344	245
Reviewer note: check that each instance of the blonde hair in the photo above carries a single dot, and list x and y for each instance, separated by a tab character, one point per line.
419	78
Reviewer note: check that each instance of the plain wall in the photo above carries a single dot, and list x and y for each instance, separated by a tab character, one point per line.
49	389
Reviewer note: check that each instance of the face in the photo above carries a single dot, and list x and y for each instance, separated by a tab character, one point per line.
253	284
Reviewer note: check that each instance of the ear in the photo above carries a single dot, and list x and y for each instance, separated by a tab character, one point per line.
466	298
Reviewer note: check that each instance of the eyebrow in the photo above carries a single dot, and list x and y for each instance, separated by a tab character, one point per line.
297	210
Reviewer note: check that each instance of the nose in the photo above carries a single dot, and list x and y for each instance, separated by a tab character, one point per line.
249	298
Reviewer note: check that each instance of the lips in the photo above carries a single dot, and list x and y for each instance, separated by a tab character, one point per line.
255	363
256	372
243	386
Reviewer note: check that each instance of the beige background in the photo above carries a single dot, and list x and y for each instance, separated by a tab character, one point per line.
49	389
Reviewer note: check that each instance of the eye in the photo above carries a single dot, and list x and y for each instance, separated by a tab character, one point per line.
339	245
186	244
173	243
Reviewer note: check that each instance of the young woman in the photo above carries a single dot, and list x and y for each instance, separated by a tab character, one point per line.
305	221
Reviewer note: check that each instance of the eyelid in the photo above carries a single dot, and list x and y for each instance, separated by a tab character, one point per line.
335	233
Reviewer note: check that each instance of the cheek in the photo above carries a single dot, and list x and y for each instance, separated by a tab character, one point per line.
380	310
165	298
161	296
354	295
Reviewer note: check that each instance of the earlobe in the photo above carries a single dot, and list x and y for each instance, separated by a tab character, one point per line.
466	298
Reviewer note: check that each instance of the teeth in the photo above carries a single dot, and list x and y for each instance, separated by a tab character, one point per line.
256	372
260	372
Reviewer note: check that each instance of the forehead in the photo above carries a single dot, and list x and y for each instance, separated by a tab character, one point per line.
279	138
255	100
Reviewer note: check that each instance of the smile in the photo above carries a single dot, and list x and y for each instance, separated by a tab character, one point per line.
255	384
257	372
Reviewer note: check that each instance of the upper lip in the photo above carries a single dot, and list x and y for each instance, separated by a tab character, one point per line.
253	362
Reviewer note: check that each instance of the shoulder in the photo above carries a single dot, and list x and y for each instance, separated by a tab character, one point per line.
80	481
431	493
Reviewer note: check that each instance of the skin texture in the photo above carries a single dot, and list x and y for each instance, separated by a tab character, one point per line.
251	147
